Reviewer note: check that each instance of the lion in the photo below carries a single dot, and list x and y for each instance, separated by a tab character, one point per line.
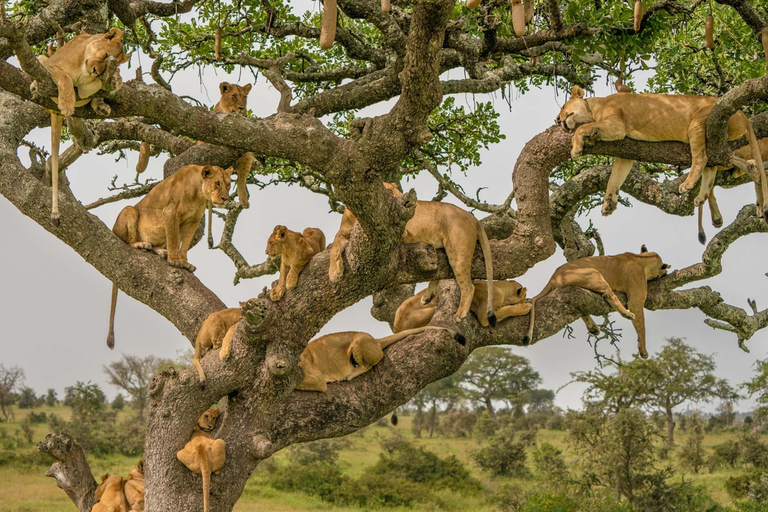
82	64
134	488
166	219
296	249
626	272
203	454
109	495
216	332
345	355
655	117
508	301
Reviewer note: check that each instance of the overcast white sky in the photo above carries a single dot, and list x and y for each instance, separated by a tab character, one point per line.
54	307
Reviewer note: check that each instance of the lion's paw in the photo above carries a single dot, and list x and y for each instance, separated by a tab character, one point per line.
100	107
275	294
609	206
144	246
630	315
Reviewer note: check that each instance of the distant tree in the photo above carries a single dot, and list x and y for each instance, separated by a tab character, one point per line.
50	398
27	398
726	413
758	386
677	374
495	373
10	379
539	400
86	399
133	374
692	454
119	402
441	393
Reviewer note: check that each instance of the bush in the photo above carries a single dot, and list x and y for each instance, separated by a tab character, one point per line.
556	422
323	450
26	429
458	423
503	456
692	454
724	454
485	426
509	498
373	491
738	486
38	417
316	479
753	450
550	463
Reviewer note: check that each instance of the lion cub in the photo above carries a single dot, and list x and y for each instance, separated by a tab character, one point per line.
508	301
80	64
109	495
216	333
203	454
134	488
345	355
626	272
166	219
296	249
654	117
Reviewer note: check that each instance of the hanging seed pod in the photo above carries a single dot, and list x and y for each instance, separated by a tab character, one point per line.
472	4
144	150
328	32
384	5
533	61
765	45
709	32
518	17
638	14
528	10
217	43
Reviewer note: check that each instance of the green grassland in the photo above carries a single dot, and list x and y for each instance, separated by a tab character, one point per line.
25	488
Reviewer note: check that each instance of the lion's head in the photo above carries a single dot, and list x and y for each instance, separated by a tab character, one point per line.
275	242
216	184
576	111
207	421
233	98
101	47
653	265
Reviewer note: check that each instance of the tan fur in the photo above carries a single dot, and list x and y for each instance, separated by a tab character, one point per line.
508	301
134	488
215	333
109	495
344	356
166	219
654	117
80	64
203	454
628	273
448	227
295	249
340	242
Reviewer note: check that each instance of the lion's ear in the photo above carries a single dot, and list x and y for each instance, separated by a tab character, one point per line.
104	476
577	92
140	465
229	170
114	34
521	290
224	87
247	88
215	412
643	249
207	171
664	266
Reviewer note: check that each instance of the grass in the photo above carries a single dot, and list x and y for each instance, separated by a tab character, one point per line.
25	489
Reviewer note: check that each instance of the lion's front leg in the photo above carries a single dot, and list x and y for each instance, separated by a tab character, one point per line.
293	275
583	132
278	291
66	99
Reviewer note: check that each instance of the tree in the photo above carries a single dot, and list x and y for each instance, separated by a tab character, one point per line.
318	139
50	398
758	385
133	374
677	374
10	379
119	402
495	373
444	391
27	398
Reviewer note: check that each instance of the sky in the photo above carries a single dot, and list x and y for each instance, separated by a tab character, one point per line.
54	306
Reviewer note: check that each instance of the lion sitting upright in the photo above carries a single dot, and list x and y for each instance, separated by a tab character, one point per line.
295	249
655	117
203	454
345	355
627	272
109	495
134	488
216	333
166	219
82	64
508	301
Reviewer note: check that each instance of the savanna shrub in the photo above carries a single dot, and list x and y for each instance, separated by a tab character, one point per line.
549	462
316	479
503	456
323	450
374	491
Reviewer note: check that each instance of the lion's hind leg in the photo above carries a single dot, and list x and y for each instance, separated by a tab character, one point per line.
591	279
592	327
619	173
365	351
510	311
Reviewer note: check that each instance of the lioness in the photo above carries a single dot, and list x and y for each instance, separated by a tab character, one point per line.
626	272
654	117
216	332
165	220
508	301
203	454
109	495
345	355
296	249
80	64
134	488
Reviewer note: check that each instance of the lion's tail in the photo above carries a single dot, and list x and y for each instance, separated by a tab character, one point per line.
56	124
112	308
758	158
144	151
210	221
546	291
392	338
488	257
702	234
205	472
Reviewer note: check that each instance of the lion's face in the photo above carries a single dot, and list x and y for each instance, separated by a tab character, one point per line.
575	111
216	184
207	421
275	242
392	187
234	98
654	267
101	48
